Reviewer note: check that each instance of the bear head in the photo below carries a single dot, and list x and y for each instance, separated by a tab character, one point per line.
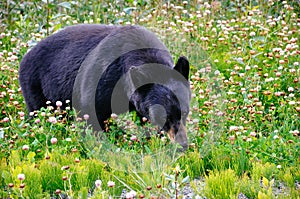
163	95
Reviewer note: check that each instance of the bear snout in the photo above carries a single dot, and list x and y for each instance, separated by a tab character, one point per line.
180	136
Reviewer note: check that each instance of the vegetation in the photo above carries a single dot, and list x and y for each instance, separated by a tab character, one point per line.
243	124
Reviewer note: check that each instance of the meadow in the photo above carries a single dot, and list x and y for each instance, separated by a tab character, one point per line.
243	125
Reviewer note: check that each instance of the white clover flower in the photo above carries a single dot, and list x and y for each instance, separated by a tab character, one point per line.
130	195
290	89
58	103
279	166
86	116
292	102
113	116
133	138
110	183
233	128
53	140
25	147
252	34
52	120
21	176
98	183
253	134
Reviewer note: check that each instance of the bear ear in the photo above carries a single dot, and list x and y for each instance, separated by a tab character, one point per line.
183	67
135	77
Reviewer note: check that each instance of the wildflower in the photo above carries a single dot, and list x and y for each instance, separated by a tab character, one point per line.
133	138
114	116
21	114
278	94
65	168
295	132
110	184
258	104
252	34
131	194
37	121
177	169
144	119
290	89
53	140
86	116
25	147
253	134
142	196
98	183
195	121
52	120
291	95
279	166
21	176
58	103
292	102
6	119
233	128
68	139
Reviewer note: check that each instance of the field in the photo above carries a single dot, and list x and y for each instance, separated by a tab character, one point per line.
243	125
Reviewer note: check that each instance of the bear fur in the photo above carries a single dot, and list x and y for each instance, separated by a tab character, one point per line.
84	63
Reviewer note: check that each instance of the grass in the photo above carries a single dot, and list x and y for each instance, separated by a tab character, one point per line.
243	124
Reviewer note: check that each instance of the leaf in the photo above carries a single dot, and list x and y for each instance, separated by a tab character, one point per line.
169	177
261	195
83	192
6	176
35	142
65	5
240	60
265	182
129	9
1	134
31	156
186	179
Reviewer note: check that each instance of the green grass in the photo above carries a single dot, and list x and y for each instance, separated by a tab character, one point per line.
244	119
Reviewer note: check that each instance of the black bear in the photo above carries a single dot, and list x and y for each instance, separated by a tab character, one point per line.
109	69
